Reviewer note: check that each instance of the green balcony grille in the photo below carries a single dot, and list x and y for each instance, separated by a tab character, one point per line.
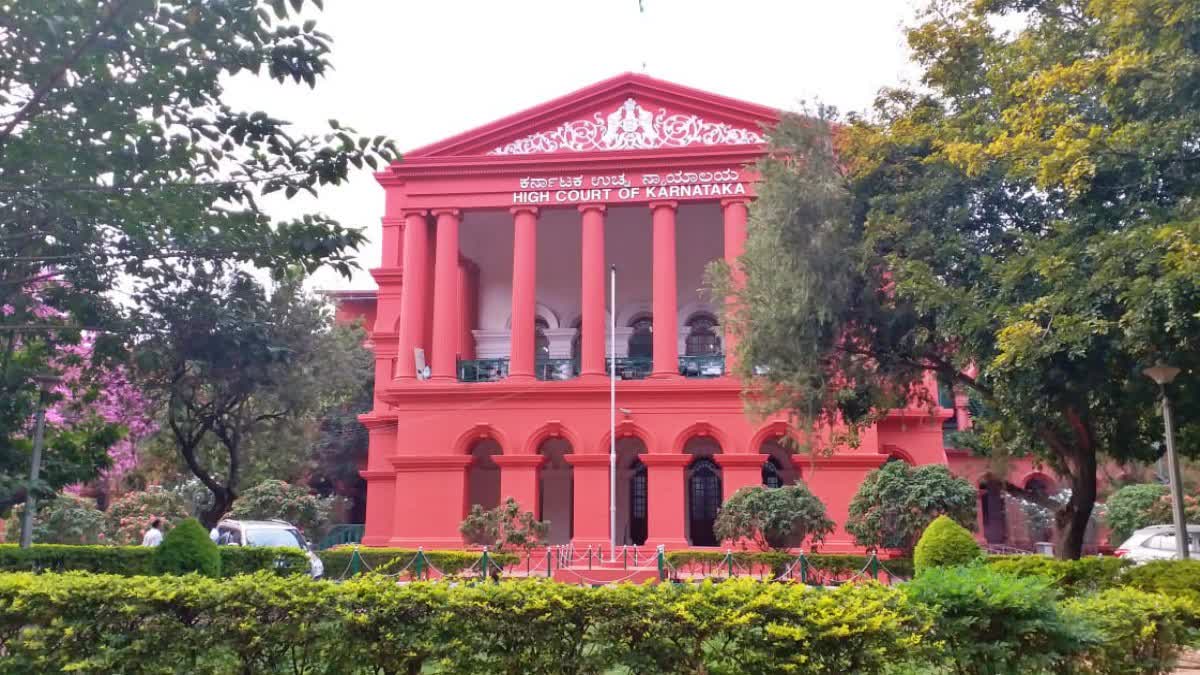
709	365
945	395
482	370
340	535
631	368
556	369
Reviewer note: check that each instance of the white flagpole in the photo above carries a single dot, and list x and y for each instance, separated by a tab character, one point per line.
612	412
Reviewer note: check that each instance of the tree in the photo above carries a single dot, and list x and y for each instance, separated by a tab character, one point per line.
896	502
1129	509
504	526
773	518
121	164
65	520
1023	227
130	516
272	499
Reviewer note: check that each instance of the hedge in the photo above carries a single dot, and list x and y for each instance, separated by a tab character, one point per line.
1176	578
823	566
967	620
1072	577
392	560
139	560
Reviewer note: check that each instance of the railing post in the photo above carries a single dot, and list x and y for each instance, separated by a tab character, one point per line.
354	562
483	564
549	562
589	557
624	557
420	562
662	564
729	561
875	566
803	568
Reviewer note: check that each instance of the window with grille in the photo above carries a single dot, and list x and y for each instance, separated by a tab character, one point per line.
702	338
641	341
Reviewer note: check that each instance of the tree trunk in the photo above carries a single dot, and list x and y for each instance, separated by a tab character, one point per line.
222	500
1073	518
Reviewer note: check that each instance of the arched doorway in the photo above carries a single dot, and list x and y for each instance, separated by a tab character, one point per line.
704	500
483	475
632	493
702	491
556	494
992	511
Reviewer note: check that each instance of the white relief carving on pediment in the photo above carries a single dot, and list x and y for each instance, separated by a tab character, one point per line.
630	127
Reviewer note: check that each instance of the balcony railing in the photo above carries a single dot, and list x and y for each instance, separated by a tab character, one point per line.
556	369
710	365
945	395
631	367
482	370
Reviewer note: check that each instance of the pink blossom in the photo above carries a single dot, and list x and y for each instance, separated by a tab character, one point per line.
7	310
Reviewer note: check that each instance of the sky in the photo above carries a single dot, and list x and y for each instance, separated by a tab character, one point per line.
419	72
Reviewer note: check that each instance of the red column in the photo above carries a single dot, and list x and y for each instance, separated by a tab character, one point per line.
665	499
739	471
524	291
592	356
412	292
665	301
519	480
468	297
429	500
445	299
736	213
589	483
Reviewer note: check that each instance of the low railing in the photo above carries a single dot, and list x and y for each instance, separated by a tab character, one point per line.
630	367
482	370
556	369
341	535
709	365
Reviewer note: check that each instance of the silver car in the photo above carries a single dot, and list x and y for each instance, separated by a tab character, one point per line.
268	533
1157	542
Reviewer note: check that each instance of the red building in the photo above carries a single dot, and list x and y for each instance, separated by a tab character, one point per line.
496	249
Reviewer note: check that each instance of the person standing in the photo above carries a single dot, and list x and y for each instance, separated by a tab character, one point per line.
153	536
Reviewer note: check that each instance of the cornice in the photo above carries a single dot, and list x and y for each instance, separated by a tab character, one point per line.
429	462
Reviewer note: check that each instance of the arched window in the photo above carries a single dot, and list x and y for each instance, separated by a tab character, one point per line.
770	474
702	338
641	341
541	343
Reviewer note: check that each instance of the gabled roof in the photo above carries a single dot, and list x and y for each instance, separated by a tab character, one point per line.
626	112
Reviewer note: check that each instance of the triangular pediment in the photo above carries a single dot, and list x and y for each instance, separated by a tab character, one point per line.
627	112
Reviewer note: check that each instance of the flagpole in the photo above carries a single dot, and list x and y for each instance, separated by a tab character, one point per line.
612	412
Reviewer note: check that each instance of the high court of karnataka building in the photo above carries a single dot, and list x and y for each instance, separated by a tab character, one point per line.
497	245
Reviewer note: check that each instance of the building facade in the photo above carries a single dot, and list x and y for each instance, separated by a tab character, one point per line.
491	331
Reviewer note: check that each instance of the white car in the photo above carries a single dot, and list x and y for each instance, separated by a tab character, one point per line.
1157	542
268	533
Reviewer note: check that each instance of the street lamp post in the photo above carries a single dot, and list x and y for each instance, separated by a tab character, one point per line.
1163	375
46	384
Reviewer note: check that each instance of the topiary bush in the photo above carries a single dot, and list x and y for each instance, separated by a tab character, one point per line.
896	502
945	543
773	518
186	548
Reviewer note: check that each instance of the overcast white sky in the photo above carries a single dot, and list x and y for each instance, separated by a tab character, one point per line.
421	71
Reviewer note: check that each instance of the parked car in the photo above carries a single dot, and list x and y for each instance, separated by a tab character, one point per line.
268	533
1157	542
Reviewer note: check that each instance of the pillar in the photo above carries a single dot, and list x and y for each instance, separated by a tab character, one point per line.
665	502
524	292
430	500
589	476
593	291
412	292
736	213
519	480
445	301
665	301
468	305
739	471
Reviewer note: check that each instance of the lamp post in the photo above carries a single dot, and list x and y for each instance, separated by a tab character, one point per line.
46	384
1163	375
612	414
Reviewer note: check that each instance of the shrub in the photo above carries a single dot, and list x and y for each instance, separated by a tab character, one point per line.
130	516
896	502
945	543
65	519
1128	509
139	560
1139	632
504	526
186	549
773	518
1071	577
1174	578
823	568
272	499
991	622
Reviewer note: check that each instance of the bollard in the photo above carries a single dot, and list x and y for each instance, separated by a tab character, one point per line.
875	566
589	556
624	557
549	562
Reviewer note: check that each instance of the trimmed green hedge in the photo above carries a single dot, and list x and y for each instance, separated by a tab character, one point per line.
139	560
1072	577
824	566
1175	578
392	560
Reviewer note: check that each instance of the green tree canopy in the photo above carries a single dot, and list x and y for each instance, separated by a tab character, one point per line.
122	163
773	518
1024	226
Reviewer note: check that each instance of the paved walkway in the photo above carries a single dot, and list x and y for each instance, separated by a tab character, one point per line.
1189	664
